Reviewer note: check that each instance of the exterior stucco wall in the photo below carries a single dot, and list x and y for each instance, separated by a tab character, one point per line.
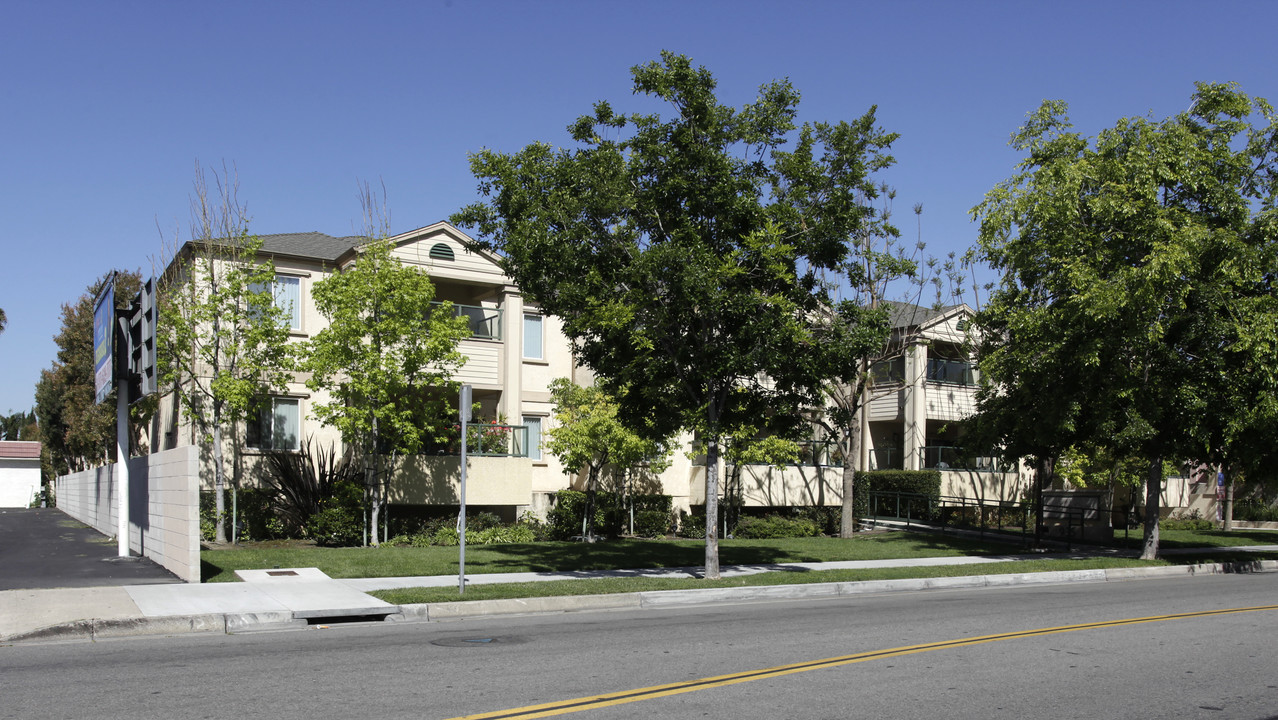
806	485
164	508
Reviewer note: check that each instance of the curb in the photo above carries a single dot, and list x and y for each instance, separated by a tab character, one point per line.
236	623
96	629
427	612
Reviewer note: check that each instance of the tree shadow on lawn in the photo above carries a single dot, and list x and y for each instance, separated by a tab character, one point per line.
650	554
1199	538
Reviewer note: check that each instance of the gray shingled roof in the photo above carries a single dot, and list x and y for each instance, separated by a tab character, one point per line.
315	245
904	315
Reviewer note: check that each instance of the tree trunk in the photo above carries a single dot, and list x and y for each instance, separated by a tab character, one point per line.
712	505
1229	505
1039	478
219	477
1153	489
851	457
588	527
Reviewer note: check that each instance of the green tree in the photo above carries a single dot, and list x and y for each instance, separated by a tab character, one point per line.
79	433
223	344
4	320
1137	284
684	255
589	434
386	357
19	426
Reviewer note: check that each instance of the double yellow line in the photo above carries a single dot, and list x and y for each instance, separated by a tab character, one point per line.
591	702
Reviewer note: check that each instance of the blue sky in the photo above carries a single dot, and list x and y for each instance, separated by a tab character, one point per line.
107	106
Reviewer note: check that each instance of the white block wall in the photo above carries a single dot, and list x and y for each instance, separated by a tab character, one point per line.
164	507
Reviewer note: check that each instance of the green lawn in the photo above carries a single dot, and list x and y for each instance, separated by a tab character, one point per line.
220	565
1199	538
605	586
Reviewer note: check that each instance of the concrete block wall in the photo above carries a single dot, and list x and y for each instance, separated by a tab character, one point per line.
164	507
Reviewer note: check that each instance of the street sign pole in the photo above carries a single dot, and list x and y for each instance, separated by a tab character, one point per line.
464	411
122	440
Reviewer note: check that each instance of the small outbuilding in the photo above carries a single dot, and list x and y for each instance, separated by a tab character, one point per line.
19	473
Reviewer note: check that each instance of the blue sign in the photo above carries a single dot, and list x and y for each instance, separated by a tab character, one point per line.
104	342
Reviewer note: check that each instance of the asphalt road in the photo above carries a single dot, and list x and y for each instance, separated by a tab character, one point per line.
46	548
913	655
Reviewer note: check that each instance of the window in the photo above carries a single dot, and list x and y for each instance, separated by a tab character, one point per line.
532	338
288	297
533	423
276	426
286	290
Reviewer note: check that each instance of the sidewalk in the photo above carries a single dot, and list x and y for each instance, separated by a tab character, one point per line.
285	598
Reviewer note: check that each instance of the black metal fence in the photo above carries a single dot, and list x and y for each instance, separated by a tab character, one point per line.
1059	522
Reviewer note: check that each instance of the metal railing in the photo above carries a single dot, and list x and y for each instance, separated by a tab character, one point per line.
485	322
948	457
1060	522
486	439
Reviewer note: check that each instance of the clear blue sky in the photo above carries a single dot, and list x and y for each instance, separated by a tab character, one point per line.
108	105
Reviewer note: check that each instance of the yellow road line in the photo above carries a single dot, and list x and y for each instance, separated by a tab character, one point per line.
590	702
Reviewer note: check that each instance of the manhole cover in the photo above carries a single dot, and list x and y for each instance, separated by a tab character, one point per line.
476	641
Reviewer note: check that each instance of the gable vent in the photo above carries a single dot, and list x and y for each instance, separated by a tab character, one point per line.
441	251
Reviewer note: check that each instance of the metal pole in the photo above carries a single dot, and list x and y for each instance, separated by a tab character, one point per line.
464	402
121	358
122	467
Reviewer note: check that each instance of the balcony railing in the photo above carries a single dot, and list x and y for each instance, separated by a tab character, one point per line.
946	457
485	322
953	372
886	459
487	439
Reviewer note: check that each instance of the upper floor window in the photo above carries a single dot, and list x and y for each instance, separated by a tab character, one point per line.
533	349
276	426
286	290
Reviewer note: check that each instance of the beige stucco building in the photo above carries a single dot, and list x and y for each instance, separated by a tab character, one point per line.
515	351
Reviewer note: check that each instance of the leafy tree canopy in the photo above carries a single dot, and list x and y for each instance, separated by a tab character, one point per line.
684	254
1136	305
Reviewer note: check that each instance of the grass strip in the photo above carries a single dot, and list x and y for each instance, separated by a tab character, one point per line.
606	586
220	565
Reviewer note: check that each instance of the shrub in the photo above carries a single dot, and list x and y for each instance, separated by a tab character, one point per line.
914	482
829	520
776	526
652	523
539	529
501	535
340	520
296	484
446	536
692	525
1254	509
336	527
565	516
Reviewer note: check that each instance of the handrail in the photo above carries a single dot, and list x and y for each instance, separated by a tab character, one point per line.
944	510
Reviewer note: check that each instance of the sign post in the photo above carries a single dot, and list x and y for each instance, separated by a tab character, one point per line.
464	411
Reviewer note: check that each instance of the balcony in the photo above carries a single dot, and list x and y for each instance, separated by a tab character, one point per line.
950	372
485	322
946	457
484	439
